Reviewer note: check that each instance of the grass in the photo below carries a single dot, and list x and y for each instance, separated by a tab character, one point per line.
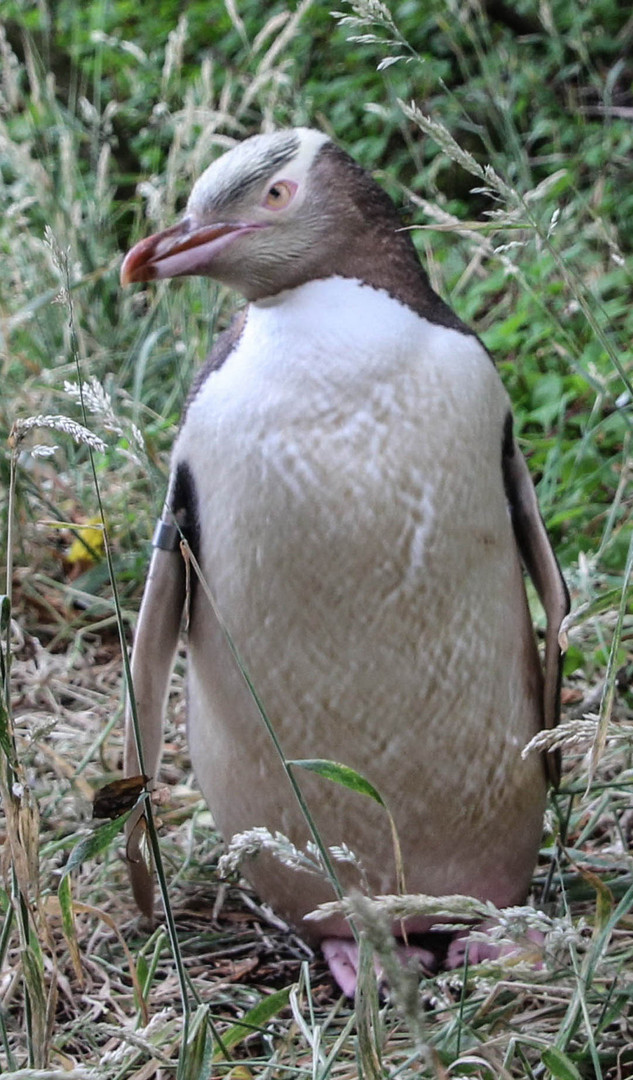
103	126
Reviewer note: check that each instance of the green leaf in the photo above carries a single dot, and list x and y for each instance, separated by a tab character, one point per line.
65	897
349	778
574	658
66	905
5	620
367	1012
96	842
5	734
255	1019
197	1060
142	970
560	1066
340	774
5	612
34	979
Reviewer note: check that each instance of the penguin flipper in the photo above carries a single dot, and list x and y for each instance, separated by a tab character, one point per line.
153	653
542	565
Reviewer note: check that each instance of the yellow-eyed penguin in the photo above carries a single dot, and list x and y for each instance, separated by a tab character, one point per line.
347	478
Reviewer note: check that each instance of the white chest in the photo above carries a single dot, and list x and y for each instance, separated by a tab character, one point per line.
342	414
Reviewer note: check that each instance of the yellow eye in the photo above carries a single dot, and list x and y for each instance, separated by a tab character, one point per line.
280	194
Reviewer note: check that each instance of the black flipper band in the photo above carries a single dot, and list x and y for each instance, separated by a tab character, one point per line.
166	536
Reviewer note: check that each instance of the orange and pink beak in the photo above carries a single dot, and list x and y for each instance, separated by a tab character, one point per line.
183	249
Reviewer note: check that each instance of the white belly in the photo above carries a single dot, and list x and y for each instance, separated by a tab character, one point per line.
355	535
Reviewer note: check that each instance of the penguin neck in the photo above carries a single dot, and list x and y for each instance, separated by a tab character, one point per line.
391	266
325	299
335	330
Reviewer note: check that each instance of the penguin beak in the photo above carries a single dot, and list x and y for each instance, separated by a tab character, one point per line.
185	248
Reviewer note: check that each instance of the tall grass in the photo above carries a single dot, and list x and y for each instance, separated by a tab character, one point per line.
101	133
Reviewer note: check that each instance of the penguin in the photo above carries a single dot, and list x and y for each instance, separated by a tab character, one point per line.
348	481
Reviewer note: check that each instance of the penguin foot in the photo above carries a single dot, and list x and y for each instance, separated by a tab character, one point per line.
480	951
341	955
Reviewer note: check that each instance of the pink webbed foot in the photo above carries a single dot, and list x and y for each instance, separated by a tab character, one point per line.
480	951
341	955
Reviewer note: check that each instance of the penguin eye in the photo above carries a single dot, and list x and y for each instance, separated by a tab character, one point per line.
280	194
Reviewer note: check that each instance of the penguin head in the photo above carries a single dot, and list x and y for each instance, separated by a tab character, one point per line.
277	210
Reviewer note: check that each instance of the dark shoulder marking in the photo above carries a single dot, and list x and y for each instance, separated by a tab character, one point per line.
183	503
222	348
183	495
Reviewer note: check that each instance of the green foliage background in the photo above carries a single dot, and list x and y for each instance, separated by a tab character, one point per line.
515	170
